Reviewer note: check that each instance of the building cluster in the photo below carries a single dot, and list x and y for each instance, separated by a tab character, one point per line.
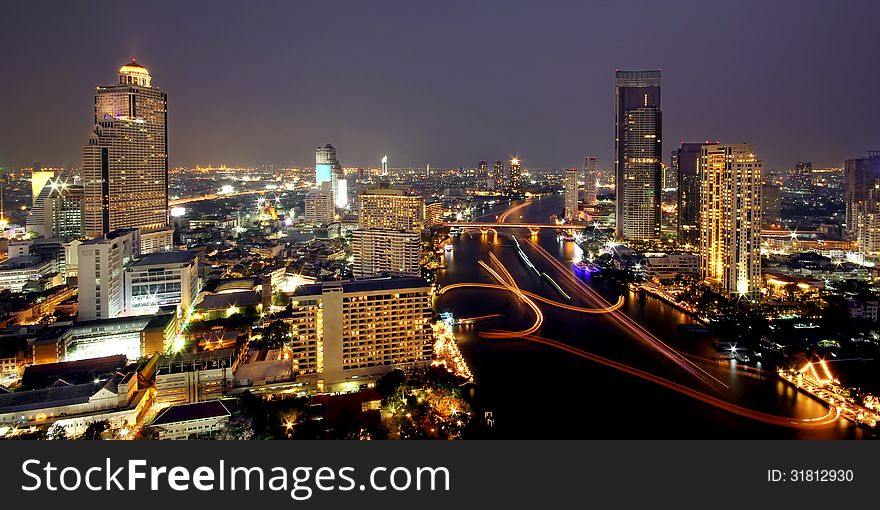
132	306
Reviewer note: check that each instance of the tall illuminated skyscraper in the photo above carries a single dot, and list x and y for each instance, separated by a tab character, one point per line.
498	182
637	144
125	163
328	169
591	179
515	176
570	182
730	218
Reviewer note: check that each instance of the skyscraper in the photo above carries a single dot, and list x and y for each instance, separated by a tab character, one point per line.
319	205
801	181
498	182
102	263
859	176
328	169
57	211
730	218
638	154
771	204
515	176
482	174
379	250
591	178
125	163
570	181
684	162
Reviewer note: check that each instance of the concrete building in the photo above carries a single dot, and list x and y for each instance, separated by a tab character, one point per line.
101	266
860	175
192	421
57	210
771	204
125	163
498	180
157	240
345	333
319	206
377	250
684	161
638	154
391	208
730	215
514	176
185	377
672	264
16	273
162	279
591	179
571	192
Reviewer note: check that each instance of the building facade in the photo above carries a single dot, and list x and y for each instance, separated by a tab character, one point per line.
319	206
514	176
377	251
591	180
101	267
498	181
859	177
638	154
162	279
684	162
125	163
570	184
391	208
730	218
351	331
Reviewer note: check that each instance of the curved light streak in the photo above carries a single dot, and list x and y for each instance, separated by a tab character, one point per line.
819	422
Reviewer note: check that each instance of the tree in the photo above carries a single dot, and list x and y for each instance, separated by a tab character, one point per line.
95	429
57	433
276	334
388	384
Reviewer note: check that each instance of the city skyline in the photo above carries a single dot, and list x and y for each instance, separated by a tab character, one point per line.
368	107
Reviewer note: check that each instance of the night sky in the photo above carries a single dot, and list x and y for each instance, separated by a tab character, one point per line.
446	82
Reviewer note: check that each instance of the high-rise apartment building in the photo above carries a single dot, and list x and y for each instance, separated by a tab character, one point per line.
515	176
125	163
771	204
498	181
638	147
391	208
379	250
591	180
684	161
482	174
319	208
570	183
859	176
730	218
102	263
801	179
346	333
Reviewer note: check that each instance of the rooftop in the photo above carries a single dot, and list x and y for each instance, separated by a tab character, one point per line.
364	285
197	411
171	257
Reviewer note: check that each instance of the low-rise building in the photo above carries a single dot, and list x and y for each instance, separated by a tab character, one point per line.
669	265
162	279
185	378
193	421
17	272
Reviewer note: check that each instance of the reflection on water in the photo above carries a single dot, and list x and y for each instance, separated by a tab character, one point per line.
535	391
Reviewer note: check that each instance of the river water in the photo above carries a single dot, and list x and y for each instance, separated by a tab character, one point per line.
536	391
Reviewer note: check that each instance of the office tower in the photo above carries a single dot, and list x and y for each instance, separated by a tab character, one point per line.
498	181
385	164
730	218
328	169
637	144
771	204
379	250
433	214
801	180
102	263
570	182
57	210
39	180
591	179
125	163
859	176
391	208
483	174
162	279
515	176
685	160
349	332
319	205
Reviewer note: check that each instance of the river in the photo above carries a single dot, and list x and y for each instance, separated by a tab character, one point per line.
537	391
